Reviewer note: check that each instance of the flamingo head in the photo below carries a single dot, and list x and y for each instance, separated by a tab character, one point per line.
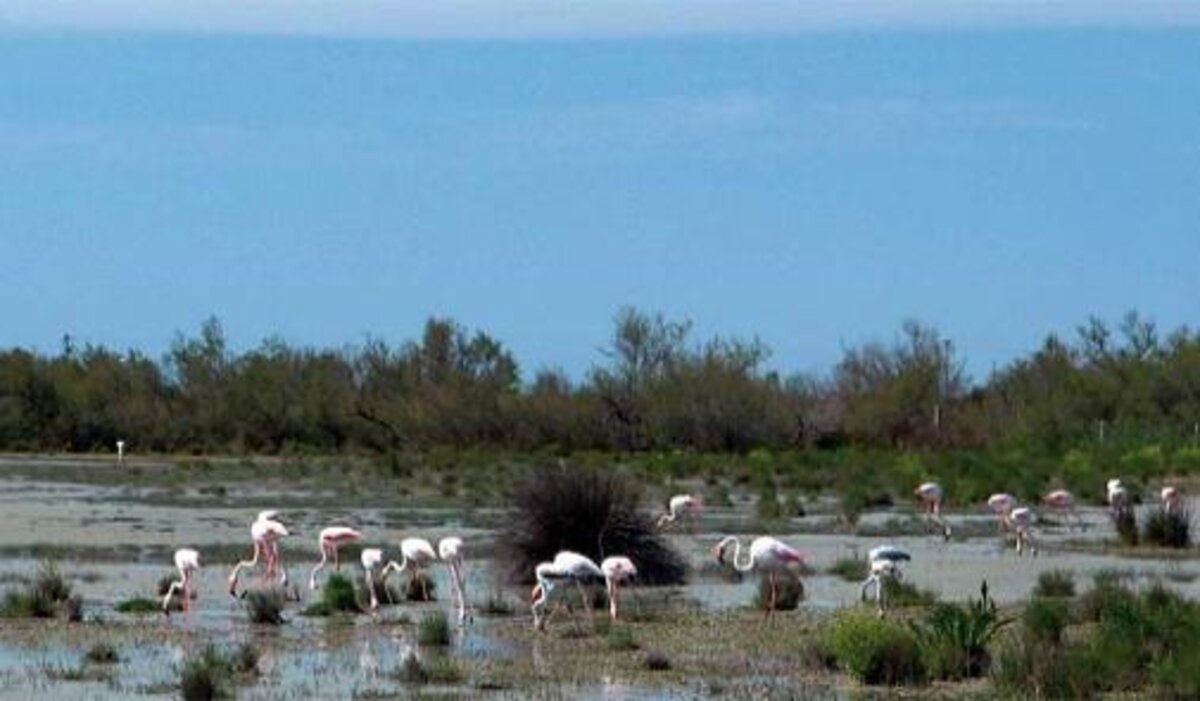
536	594
718	552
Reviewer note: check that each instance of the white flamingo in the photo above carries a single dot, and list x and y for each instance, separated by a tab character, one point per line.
679	506
265	532
884	561
932	496
416	553
371	559
1001	505
766	554
1118	497
1022	520
451	552
567	567
1171	499
187	561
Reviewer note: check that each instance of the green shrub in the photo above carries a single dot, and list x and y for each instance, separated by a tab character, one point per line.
265	606
875	650
905	594
434	629
138	605
1107	594
26	602
1169	529
1044	620
439	669
337	596
954	638
1055	584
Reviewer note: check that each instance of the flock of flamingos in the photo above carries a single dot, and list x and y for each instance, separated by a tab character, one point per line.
766	554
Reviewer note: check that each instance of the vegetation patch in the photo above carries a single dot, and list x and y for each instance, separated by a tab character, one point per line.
875	650
1169	529
265	606
1055	584
591	512
434	629
337	596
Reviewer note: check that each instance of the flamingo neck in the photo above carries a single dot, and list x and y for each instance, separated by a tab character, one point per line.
737	553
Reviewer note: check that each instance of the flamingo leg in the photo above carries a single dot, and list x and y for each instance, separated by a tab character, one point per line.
252	562
312	577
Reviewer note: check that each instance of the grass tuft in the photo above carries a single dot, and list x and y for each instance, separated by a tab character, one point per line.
1055	584
265	606
434	629
102	653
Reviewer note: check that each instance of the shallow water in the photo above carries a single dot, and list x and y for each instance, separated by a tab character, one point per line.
119	542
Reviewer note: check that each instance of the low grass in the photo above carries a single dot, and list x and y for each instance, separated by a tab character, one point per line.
42	597
1055	584
438	669
212	673
620	638
434	629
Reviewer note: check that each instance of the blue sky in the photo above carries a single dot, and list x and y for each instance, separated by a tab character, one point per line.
808	174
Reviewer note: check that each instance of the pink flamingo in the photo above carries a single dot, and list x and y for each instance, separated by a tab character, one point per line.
1171	499
187	561
416	552
616	569
766	554
330	540
931	496
1062	502
1001	505
266	531
567	567
681	505
450	550
1022	520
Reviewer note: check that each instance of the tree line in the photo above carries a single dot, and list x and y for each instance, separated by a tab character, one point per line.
654	388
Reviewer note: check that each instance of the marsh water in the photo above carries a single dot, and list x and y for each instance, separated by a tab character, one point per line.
114	543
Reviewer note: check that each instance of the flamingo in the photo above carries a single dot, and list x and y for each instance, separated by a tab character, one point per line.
266	531
681	505
1062	502
329	540
371	559
417	552
766	554
931	496
1022	519
450	550
1002	504
616	569
1118	497
567	566
1171	499
187	561
120	452
884	561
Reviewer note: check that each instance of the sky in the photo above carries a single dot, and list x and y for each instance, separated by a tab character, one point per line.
812	174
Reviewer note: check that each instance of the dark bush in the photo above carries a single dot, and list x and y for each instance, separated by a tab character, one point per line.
102	653
592	512
205	676
1169	529
657	661
1126	524
265	606
1045	620
788	595
337	596
954	638
434	629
